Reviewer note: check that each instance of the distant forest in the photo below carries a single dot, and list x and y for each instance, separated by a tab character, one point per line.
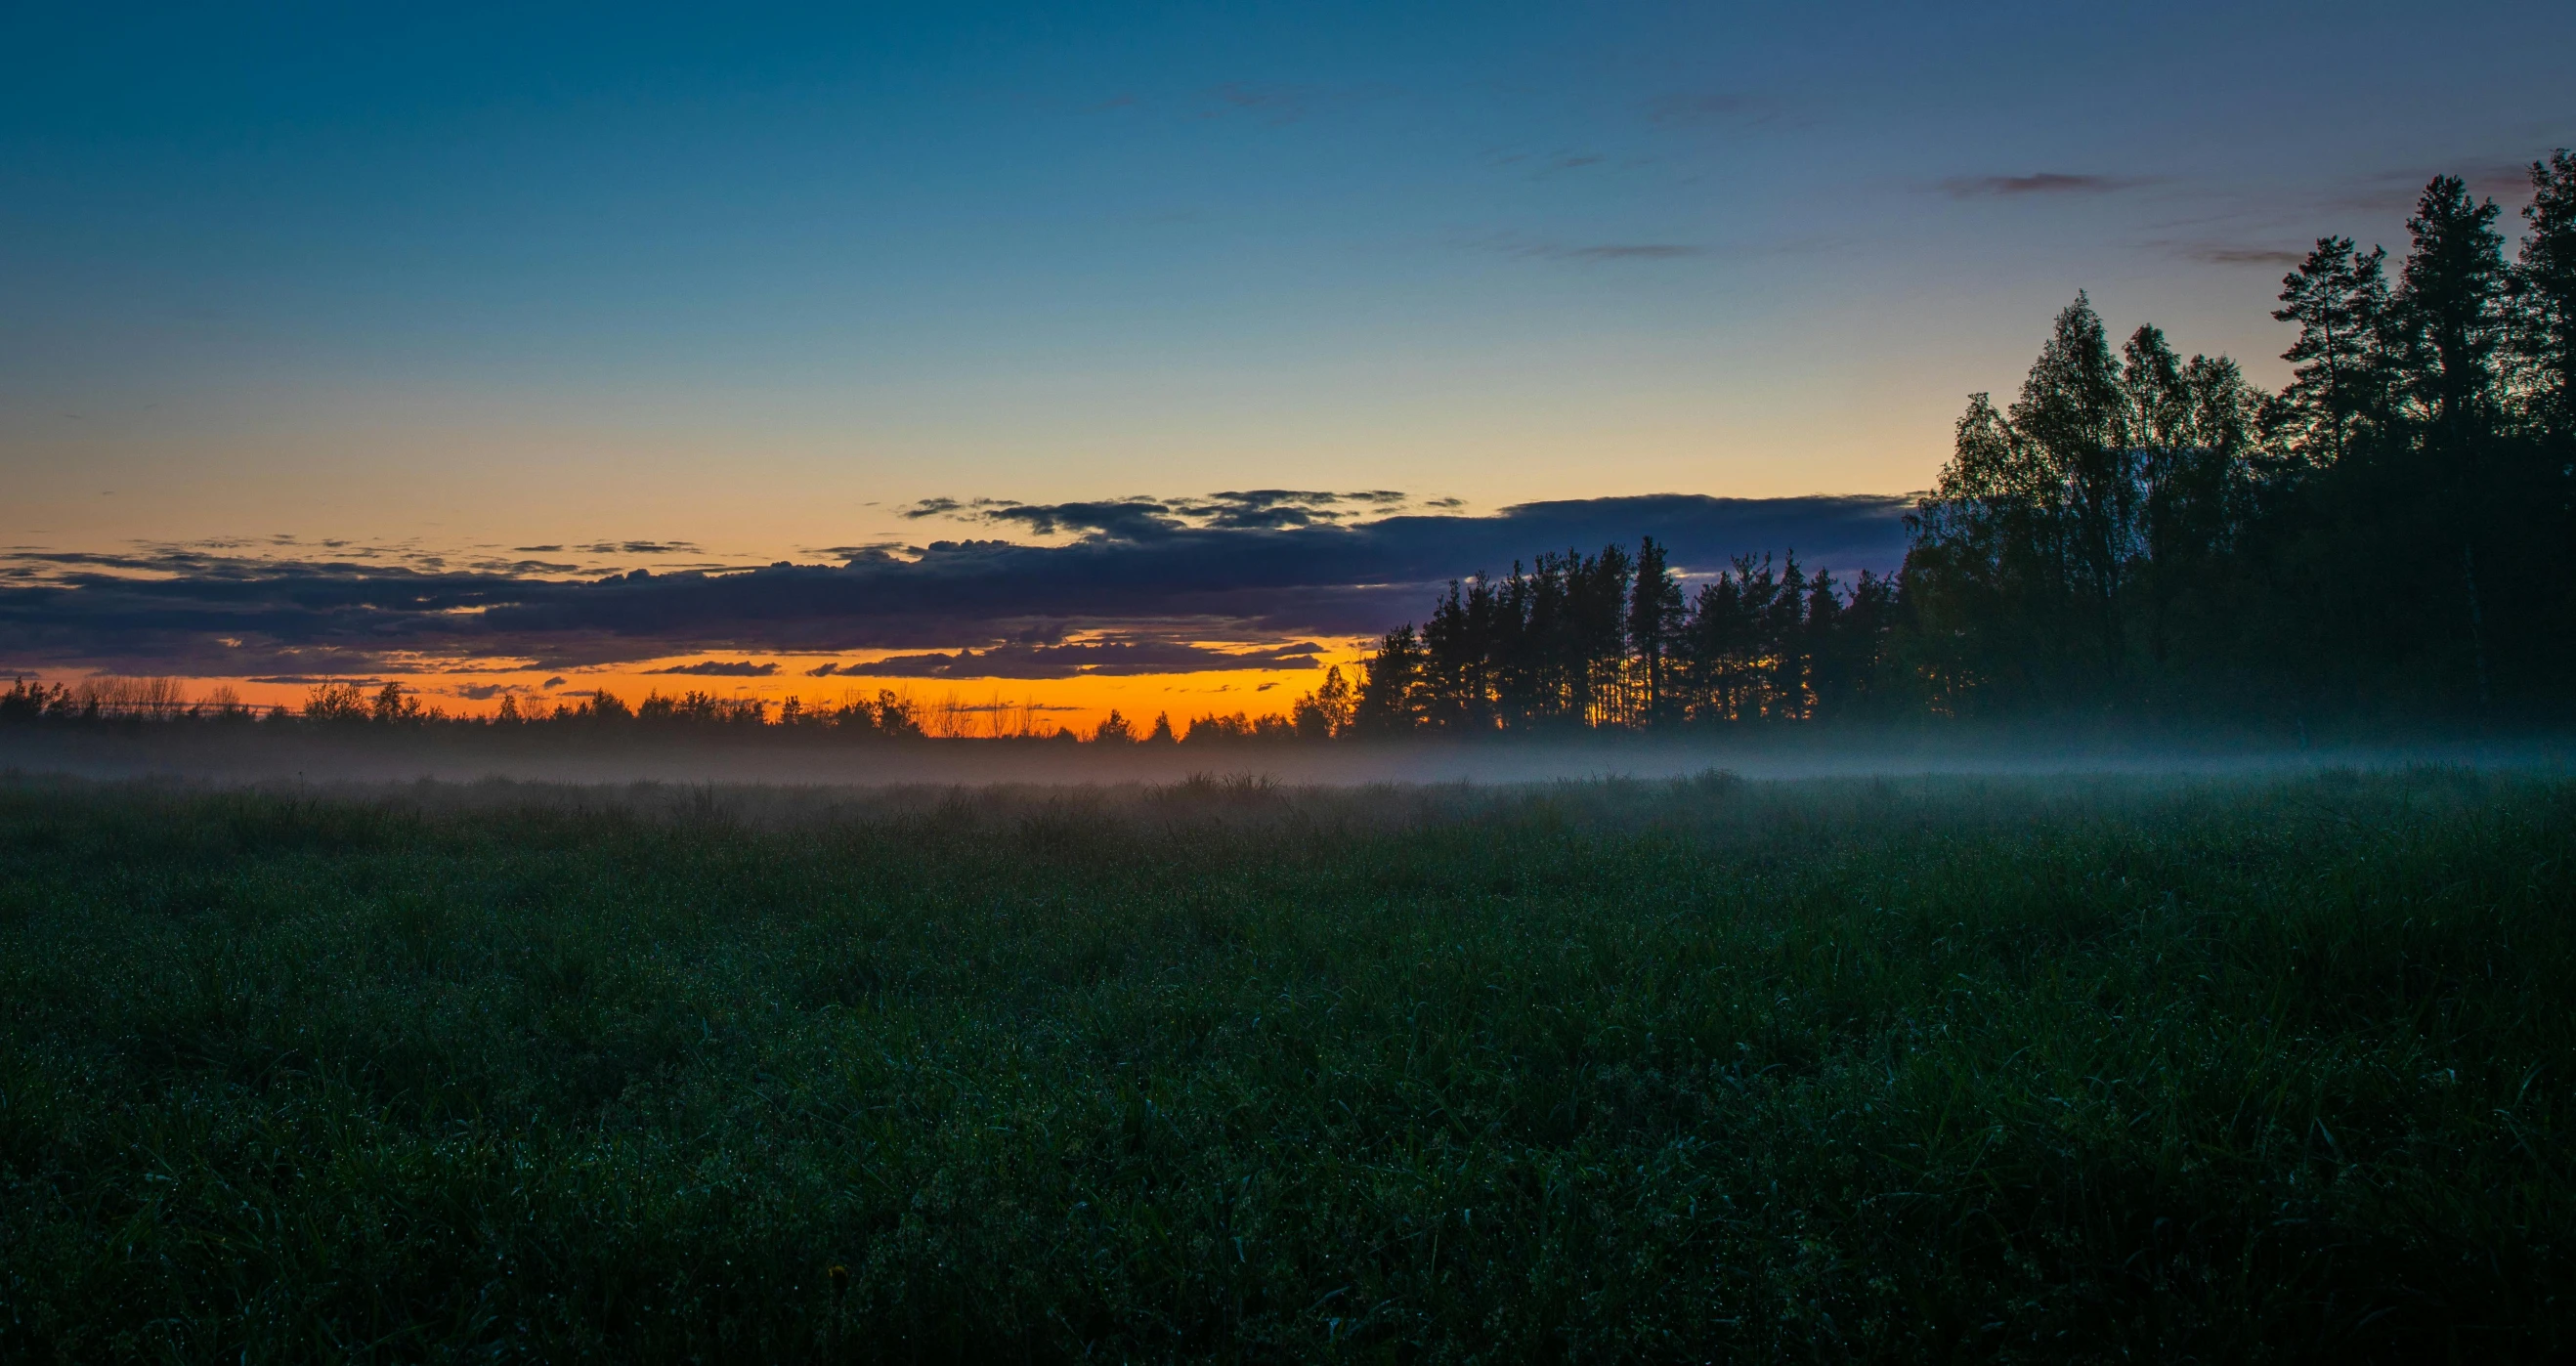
2135	535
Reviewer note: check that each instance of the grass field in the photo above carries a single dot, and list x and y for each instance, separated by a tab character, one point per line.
2035	1070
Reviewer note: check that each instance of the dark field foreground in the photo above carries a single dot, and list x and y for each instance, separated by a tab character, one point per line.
1616	1071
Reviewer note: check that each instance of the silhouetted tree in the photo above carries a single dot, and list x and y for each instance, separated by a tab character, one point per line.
2544	296
1390	699
1655	620
336	702
1326	712
2345	354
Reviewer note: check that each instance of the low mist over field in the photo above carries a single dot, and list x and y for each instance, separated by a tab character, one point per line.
239	753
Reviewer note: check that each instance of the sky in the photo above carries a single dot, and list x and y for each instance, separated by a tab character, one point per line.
431	313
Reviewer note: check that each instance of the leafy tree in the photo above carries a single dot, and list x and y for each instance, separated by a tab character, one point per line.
896	714
2022	545
394	704
1326	712
336	702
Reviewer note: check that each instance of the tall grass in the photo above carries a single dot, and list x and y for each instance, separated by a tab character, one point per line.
1617	1071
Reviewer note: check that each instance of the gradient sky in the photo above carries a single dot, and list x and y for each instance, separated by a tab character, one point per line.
759	279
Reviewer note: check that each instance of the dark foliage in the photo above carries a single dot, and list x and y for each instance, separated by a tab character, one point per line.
2137	534
2387	535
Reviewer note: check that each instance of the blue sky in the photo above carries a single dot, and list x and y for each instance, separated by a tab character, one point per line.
761	278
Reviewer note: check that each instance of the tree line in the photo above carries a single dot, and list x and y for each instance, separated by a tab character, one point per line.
1609	639
2134	533
346	707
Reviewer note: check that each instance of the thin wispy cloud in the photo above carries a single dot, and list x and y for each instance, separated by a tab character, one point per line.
1112	658
2222	255
2396	189
873	550
719	668
641	548
1630	251
1543	249
2039	183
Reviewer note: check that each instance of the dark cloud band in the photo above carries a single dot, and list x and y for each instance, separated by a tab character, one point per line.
1199	570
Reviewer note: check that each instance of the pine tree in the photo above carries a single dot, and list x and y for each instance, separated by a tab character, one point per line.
2544	290
1654	626
2339	298
1390	699
1458	657
2452	291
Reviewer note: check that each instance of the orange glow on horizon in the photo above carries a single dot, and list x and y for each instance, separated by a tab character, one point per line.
1078	703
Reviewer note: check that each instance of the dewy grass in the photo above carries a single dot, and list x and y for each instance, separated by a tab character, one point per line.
1611	1071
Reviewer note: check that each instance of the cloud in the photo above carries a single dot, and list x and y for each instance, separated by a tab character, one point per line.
2396	190
2043	182
1544	166
1513	244
310	680
1135	519
2220	255
1102	658
1630	251
873	550
1272	509
717	668
1122	519
641	548
1137	579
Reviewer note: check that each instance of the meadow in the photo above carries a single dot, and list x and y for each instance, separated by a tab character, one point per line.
2033	1069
